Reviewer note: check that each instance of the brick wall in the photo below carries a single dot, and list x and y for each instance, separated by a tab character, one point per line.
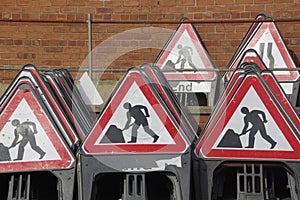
54	34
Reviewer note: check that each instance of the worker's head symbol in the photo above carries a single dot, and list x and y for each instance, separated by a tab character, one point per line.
15	122
245	110
127	105
179	46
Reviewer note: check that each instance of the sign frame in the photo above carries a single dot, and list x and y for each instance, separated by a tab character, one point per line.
208	75
25	89
134	75
205	147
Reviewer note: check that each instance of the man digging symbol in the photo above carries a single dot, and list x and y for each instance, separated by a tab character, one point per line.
28	135
185	56
254	118
140	117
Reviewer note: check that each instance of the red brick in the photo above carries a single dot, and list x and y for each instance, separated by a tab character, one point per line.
235	8
223	2
244	2
31	9
16	16
198	16
58	2
23	2
76	3
53	49
263	1
293	7
8	3
86	10
186	2
30	16
205	2
108	76
246	15
61	17
52	63
71	17
41	3
112	3
196	9
81	17
131	3
216	8
283	1
149	3
160	10
104	10
256	7
95	3
50	9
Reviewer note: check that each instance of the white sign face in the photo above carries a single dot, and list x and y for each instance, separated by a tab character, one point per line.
272	57
185	55
185	58
270	46
269	52
261	140
136	98
31	136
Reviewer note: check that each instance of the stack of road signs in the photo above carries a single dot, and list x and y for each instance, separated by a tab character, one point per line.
264	38
164	89
259	93
35	133
188	67
51	103
67	94
141	129
253	120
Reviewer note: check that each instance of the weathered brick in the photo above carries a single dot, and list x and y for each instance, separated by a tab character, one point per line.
59	3
249	2
51	63
23	2
235	8
223	2
103	10
131	3
149	3
196	9
53	49
186	2
112	3
216	8
8	3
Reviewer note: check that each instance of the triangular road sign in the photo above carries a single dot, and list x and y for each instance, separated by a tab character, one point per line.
222	103
286	106
63	77
184	54
29	139
164	89
51	102
135	109
267	41
61	97
255	25
251	56
269	135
